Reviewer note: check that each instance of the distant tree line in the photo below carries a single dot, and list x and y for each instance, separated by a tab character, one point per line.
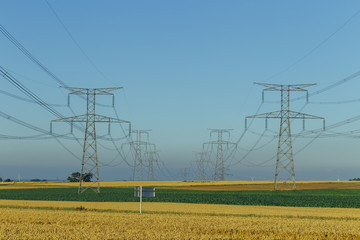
75	177
6	180
354	179
37	180
31	180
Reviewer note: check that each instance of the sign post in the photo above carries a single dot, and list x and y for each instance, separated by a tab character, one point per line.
144	192
140	199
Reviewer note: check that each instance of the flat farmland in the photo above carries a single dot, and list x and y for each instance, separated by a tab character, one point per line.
192	185
343	198
268	186
84	220
181	210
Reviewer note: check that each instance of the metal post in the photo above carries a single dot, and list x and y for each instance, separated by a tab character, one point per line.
140	199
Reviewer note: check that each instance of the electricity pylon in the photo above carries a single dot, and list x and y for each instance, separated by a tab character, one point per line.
140	148
201	165
285	159
152	158
220	161
185	174
89	161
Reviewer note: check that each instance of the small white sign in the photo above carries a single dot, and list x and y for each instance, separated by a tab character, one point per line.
141	192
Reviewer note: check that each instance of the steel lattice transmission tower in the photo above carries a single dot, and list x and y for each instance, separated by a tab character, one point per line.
89	161
285	159
220	159
152	159
200	161
185	173
140	148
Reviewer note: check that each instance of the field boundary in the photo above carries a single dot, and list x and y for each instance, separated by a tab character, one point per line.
196	185
82	209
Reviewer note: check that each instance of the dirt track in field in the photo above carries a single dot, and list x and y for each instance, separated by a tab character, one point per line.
268	186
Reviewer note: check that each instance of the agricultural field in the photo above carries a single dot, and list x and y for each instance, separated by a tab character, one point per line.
53	220
344	198
180	210
192	185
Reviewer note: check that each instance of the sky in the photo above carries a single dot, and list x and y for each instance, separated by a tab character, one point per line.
185	67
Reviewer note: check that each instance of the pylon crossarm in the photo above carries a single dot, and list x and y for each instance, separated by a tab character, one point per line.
105	91
154	146
222	142
80	118
97	118
136	142
100	118
276	114
298	115
279	87
220	130
96	91
279	114
141	131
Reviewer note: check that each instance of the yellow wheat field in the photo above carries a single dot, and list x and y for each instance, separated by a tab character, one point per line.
191	208
60	224
173	221
4	185
195	185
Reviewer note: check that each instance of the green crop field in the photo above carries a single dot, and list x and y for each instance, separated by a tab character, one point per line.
343	198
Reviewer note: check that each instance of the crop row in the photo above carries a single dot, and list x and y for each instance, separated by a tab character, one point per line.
349	198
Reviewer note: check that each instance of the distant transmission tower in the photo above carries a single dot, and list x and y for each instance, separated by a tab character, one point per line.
200	161
152	159
220	161
185	174
285	160
140	147
89	162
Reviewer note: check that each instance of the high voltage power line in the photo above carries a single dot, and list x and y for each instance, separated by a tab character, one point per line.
45	69
285	160
140	147
29	55
28	100
318	132
28	93
77	44
17	44
92	63
222	146
89	162
311	51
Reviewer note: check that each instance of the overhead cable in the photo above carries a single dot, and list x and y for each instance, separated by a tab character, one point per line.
76	42
28	100
316	47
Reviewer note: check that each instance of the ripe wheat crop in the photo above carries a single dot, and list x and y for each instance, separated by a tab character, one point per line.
55	224
189	208
195	185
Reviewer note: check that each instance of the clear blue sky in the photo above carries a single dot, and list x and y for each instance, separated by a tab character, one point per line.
185	66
